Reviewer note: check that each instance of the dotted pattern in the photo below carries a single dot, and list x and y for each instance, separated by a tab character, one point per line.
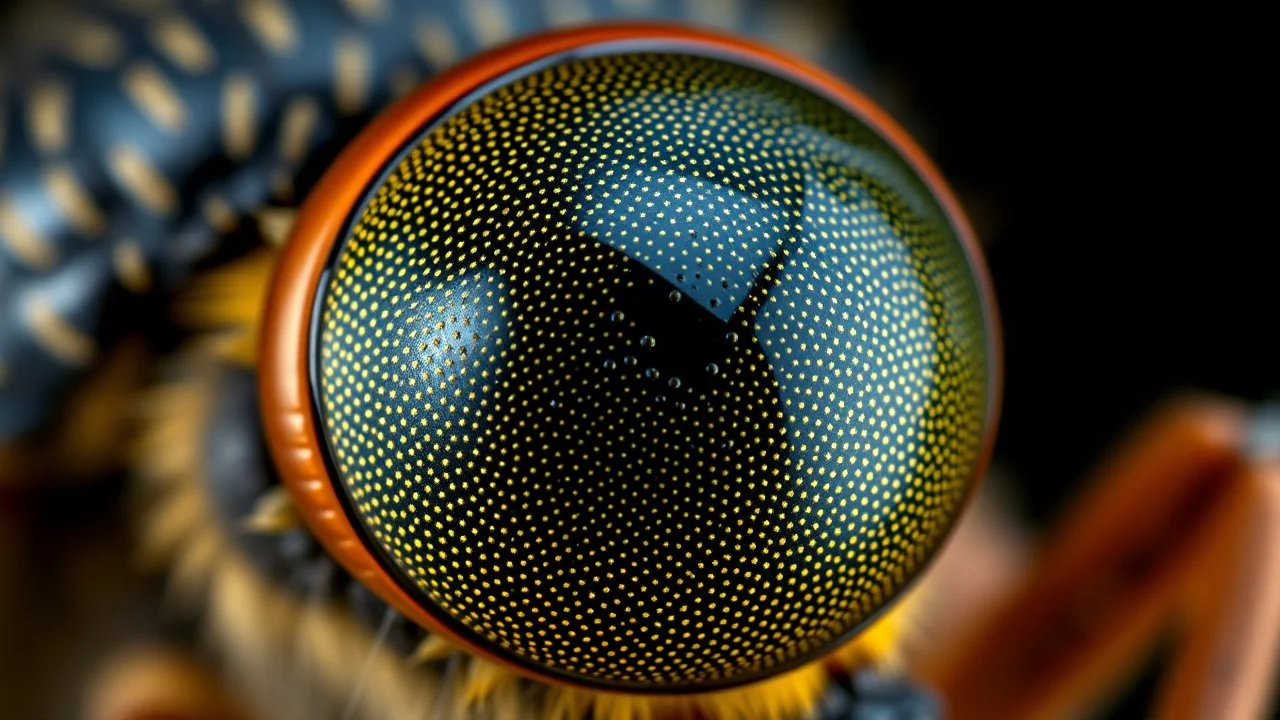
653	370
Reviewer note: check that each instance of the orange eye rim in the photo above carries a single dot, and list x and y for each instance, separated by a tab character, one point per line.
285	390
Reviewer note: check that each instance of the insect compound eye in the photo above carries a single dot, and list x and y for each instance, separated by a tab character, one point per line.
654	366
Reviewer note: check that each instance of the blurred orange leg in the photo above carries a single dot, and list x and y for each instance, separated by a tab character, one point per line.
1184	523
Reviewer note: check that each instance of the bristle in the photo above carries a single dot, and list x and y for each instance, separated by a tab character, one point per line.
323	646
790	696
432	648
230	295
564	704
228	302
482	678
238	345
620	707
507	702
342	648
239	621
257	627
275	224
880	645
168	523
193	566
273	513
169	445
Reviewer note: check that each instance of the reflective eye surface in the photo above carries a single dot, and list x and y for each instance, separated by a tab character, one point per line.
652	371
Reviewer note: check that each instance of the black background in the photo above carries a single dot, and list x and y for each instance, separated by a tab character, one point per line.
1118	165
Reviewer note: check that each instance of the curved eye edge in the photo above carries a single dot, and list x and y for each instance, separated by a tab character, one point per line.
294	437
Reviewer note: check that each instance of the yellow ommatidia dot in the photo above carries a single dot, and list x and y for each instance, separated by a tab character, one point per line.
653	371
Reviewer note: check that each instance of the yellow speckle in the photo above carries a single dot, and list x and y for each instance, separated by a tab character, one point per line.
436	42
239	115
49	115
154	96
403	80
139	178
58	337
219	213
22	240
131	266
296	129
718	13
367	10
74	201
273	24
567	12
490	20
351	74
182	43
92	43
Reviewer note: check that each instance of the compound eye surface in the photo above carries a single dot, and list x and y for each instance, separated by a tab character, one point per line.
652	370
